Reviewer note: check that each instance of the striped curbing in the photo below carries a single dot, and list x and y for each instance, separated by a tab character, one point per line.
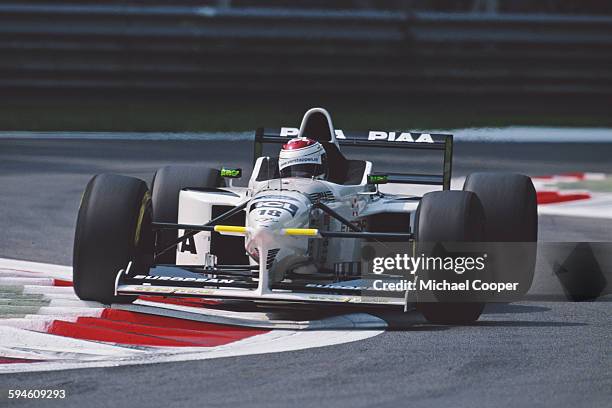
44	326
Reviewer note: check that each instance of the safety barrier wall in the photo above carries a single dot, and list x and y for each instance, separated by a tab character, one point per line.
93	45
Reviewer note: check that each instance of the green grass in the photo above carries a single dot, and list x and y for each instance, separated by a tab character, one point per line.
224	114
604	185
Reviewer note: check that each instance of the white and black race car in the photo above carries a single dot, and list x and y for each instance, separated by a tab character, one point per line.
290	239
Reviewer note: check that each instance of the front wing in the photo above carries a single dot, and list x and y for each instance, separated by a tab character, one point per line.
167	283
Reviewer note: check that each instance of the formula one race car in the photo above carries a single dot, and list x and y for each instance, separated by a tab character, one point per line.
297	232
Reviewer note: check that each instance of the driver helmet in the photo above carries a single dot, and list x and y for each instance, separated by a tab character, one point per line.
303	157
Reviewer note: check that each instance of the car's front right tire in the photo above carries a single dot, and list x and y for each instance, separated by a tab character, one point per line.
165	189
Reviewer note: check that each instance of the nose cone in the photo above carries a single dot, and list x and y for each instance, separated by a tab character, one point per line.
275	210
271	215
272	211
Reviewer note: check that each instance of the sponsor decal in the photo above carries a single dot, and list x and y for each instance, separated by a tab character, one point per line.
289	131
152	289
299	160
293	132
273	208
175	291
272	218
379	135
402	137
193	291
350	299
336	286
189	246
344	299
181	279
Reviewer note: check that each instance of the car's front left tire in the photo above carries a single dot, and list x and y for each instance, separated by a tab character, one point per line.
448	218
113	228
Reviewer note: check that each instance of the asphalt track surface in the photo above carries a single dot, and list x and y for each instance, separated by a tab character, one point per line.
523	354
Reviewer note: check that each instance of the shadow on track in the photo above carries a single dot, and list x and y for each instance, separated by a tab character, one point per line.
525	323
496	308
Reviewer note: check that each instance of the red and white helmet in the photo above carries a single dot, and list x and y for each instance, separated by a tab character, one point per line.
303	157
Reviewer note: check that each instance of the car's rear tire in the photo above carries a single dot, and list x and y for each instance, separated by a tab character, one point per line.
449	217
510	205
113	228
165	188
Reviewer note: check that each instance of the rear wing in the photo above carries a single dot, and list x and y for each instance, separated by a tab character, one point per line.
375	138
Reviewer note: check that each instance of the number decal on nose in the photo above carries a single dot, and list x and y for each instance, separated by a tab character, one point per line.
273	208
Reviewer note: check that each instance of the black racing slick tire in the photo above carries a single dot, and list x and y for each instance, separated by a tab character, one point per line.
165	188
448	217
113	228
510	205
511	210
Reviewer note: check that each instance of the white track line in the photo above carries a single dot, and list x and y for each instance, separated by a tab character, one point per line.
533	134
60	311
272	342
598	206
48	290
20	339
144	136
49	270
19	281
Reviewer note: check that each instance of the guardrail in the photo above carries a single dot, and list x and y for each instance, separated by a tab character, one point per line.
205	49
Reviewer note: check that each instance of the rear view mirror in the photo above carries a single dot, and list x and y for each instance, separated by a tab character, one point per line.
231	173
378	178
